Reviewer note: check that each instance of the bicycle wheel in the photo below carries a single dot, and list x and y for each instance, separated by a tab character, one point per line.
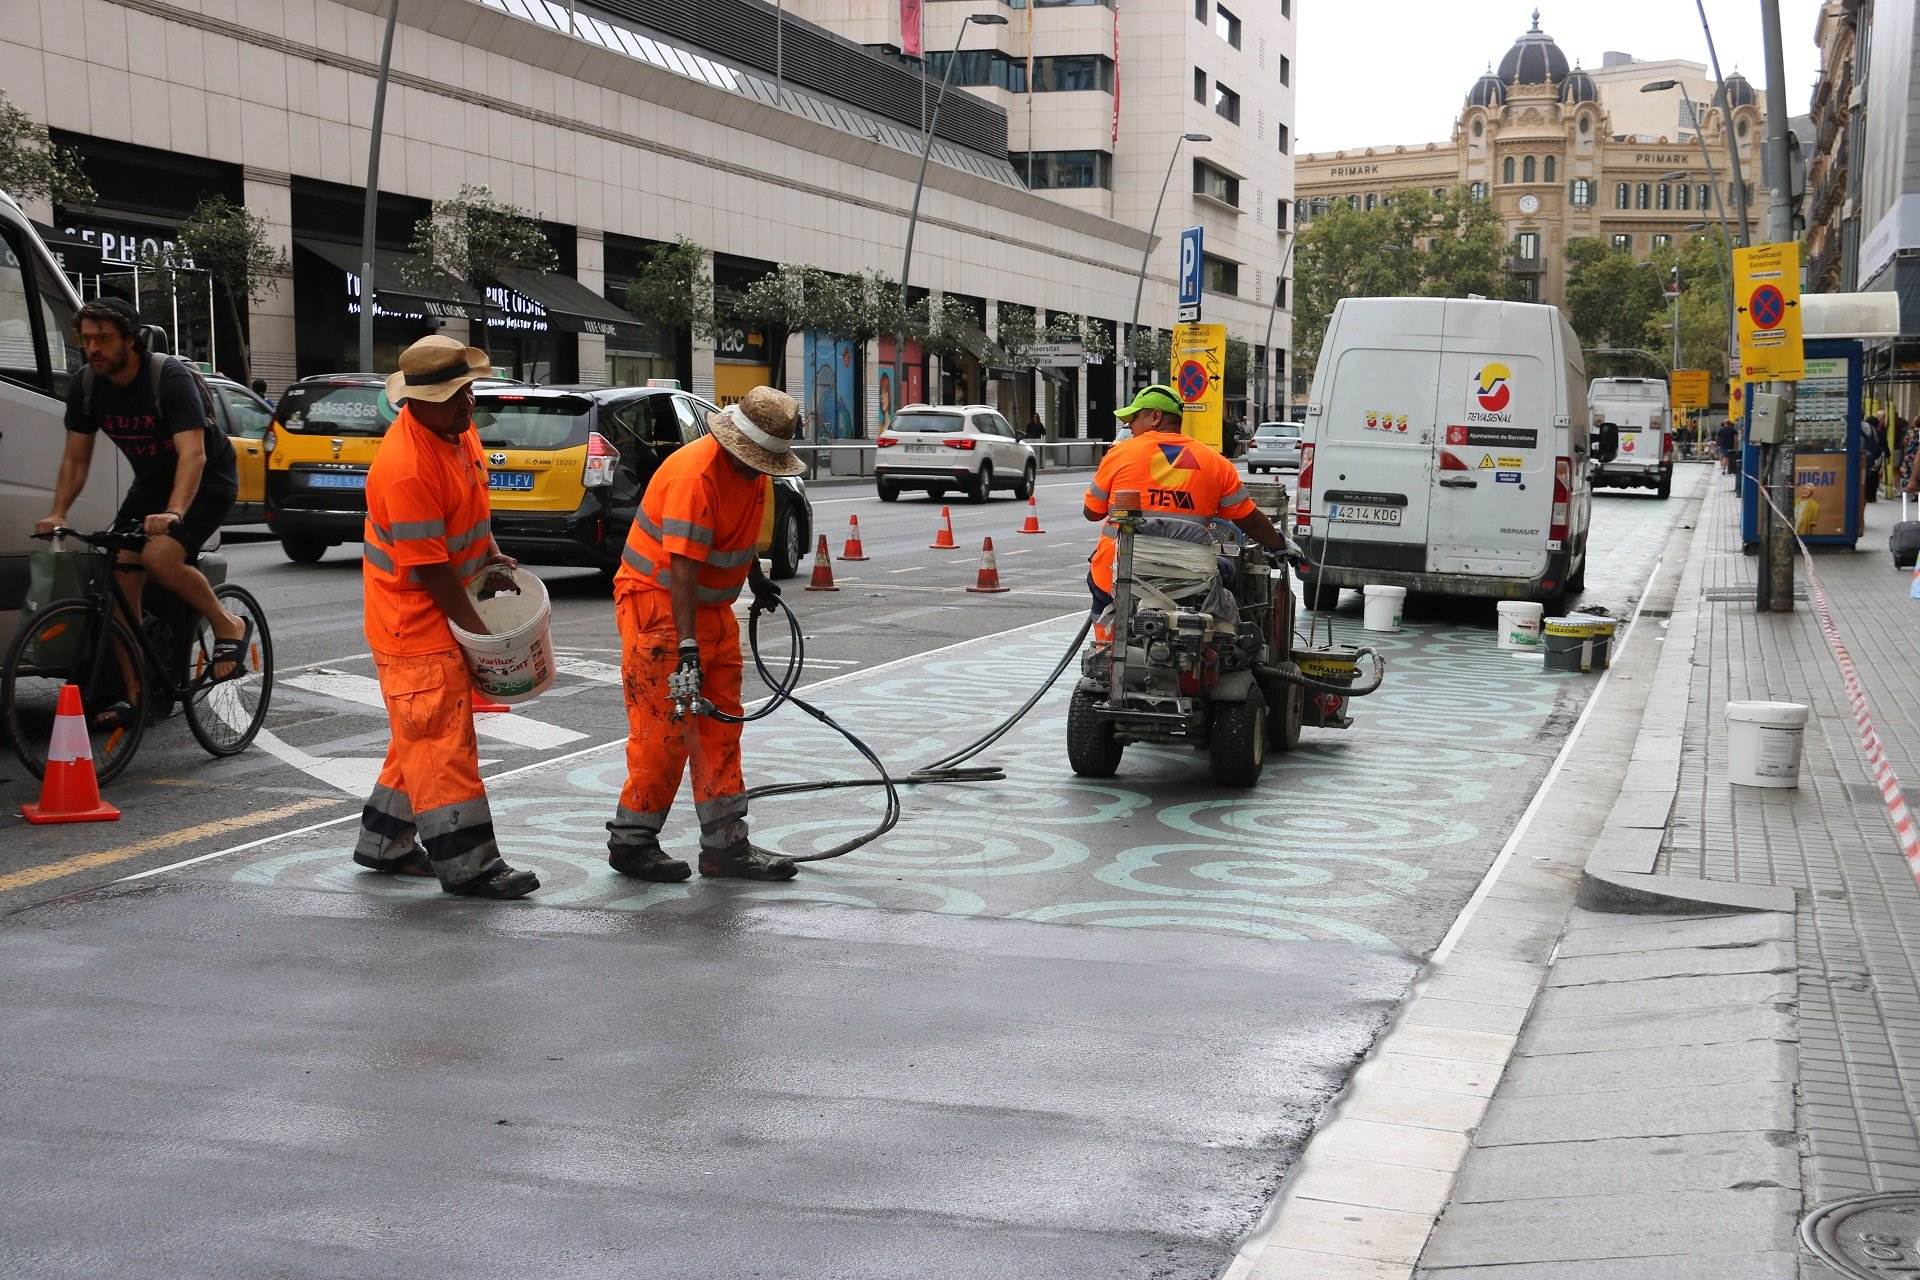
225	715
67	644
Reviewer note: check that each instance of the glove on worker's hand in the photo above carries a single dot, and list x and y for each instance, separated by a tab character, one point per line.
683	686
766	595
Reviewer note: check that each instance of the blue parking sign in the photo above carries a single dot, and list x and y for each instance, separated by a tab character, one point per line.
1190	257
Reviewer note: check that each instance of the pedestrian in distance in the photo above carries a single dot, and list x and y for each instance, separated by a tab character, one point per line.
185	476
696	540
1036	429
429	534
1727	438
1873	457
260	389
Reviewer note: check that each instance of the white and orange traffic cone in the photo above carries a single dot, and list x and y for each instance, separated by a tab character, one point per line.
70	790
989	580
943	540
853	550
1033	516
822	568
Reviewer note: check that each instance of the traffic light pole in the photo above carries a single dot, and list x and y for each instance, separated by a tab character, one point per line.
1775	588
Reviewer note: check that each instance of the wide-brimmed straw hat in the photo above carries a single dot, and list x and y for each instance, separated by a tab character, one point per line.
435	368
759	429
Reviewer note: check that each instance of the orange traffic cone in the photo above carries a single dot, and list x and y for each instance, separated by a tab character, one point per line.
822	568
989	581
70	792
1033	516
853	550
943	540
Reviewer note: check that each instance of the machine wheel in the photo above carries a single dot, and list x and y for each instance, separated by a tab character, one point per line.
1024	489
888	490
789	544
1577	584
1664	489
1310	592
1237	740
982	483
1092	749
304	548
937	492
1283	724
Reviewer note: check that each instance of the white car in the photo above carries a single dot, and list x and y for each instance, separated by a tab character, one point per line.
968	447
1275	447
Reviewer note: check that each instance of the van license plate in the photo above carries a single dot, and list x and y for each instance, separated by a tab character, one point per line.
1349	513
522	480
337	480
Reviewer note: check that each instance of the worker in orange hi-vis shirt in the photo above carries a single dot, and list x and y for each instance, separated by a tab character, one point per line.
1176	477
694	543
428	534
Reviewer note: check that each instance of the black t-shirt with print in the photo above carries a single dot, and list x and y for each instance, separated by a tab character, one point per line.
144	431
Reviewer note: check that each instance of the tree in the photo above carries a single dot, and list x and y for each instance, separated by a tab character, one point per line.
672	290
230	243
33	166
1016	332
473	237
1703	308
1610	297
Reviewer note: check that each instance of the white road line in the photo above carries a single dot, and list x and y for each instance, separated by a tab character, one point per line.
588	669
501	726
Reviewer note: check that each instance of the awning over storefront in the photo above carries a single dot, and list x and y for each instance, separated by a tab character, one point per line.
572	306
73	254
446	298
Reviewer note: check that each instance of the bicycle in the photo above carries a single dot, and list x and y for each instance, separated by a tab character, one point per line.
86	640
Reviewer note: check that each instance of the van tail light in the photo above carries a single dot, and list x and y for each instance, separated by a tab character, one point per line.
885	442
1303	492
603	460
960	442
1562	501
1666	447
1450	461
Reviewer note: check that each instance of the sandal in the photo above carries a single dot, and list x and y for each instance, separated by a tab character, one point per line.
231	652
120	715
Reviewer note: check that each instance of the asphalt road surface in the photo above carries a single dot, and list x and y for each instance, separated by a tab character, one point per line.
1046	1027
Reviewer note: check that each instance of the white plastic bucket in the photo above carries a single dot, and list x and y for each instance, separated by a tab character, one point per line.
1384	605
1520	626
515	662
1764	742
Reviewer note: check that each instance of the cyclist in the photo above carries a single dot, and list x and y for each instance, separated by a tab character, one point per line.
184	478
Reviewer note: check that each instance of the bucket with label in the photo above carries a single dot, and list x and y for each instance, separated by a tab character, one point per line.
515	661
1764	741
1569	643
1384	607
1603	633
1520	626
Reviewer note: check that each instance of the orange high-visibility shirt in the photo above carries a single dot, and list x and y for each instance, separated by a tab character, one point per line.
1175	475
426	504
697	505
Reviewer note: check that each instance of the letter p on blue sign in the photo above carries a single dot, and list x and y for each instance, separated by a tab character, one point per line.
1190	257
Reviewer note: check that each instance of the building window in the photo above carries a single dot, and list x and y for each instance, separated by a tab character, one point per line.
1527	171
1353	202
1059	74
1706	196
1071	74
1200	10
1548	171
1526	246
1214	184
1665	199
1286	69
1684	194
1580	191
1285	207
1620	190
1219	277
1506	169
1661	240
1226	26
1199	86
1064	170
1478	128
1623	243
1226	103
1478	190
1371	201
1283	139
1286	8
1643	196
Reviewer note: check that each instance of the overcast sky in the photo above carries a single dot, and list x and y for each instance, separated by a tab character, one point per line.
1374	71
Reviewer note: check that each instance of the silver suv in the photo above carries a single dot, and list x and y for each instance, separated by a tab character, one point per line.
1275	447
968	447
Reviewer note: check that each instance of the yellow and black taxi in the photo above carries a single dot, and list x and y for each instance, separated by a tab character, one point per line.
245	418
567	467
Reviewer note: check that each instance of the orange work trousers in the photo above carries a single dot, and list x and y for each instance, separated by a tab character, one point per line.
429	787
658	748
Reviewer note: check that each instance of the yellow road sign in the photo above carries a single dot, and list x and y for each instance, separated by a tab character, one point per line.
1691	388
1200	376
1766	294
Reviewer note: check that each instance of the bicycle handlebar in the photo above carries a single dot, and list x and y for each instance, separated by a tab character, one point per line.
106	540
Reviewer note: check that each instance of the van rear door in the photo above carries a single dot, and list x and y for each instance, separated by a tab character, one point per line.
1492	477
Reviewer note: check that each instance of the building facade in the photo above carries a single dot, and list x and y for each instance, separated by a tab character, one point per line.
762	138
1543	140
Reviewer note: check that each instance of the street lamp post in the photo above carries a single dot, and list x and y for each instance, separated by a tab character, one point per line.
373	191
1139	285
1279	283
1726	119
913	218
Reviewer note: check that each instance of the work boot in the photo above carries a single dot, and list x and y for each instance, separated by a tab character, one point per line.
646	862
414	862
503	883
744	862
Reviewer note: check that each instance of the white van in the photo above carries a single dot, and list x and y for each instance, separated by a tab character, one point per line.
38	356
1446	451
1638	408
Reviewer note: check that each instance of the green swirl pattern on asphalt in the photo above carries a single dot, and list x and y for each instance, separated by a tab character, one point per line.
1339	836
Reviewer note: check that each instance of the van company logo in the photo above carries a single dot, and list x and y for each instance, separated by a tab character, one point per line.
1494	394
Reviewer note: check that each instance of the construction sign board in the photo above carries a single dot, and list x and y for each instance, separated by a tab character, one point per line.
1200	375
1766	296
1691	388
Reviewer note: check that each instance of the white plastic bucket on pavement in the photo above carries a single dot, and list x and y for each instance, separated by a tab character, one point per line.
1763	743
1384	605
515	662
1520	625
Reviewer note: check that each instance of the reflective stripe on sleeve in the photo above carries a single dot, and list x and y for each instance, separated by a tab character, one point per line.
1235	498
684	529
1095	491
413	530
378	558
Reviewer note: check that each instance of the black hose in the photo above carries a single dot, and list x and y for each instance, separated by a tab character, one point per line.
1308	682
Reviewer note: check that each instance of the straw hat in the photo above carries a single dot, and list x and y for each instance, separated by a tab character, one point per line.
759	431
435	368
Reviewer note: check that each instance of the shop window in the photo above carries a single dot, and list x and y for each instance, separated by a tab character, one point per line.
1527	170
1549	172
1226	103
1219	276
1506	169
1211	182
1226	26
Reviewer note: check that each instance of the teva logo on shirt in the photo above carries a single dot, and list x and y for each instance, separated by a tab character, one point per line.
1171	465
1492	392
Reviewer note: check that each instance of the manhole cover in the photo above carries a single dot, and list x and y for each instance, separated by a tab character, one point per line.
1870	1237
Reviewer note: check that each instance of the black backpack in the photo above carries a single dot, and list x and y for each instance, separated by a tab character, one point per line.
156	366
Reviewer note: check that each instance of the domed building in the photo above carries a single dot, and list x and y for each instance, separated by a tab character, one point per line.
1565	151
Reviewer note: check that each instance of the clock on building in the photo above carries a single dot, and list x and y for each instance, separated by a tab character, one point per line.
1529	204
